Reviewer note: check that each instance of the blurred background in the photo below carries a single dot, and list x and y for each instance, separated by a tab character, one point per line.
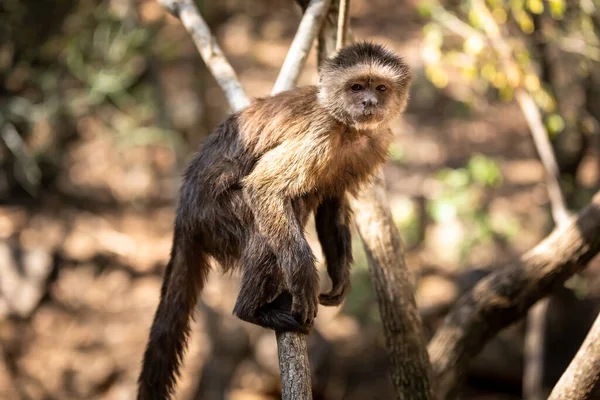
103	102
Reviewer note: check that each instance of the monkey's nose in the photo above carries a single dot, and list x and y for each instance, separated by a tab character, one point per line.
369	102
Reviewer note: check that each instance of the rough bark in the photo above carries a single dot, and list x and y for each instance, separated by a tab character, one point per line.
506	295
394	292
389	274
581	380
293	358
294	367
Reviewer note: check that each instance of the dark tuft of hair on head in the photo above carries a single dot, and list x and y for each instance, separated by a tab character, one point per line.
365	52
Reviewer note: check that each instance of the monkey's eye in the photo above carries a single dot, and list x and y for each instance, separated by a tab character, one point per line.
381	88
356	87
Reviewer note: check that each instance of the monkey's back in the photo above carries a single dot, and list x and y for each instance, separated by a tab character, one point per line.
229	153
268	121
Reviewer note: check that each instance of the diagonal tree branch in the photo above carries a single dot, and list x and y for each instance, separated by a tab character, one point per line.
532	113
342	26
536	318
209	50
293	357
532	380
581	380
305	36
506	295
453	23
530	110
394	292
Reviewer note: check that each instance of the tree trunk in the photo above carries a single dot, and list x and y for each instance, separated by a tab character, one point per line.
394	291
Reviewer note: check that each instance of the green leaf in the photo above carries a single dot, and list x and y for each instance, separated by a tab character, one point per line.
484	171
442	210
555	124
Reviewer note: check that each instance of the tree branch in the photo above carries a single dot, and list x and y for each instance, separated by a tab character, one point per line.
533	351
505	296
293	358
342	27
294	366
394	292
305	36
209	50
581	380
531	111
389	273
453	23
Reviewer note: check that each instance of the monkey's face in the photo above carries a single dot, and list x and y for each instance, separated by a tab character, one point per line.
364	85
367	100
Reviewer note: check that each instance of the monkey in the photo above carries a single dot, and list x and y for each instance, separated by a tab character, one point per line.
247	194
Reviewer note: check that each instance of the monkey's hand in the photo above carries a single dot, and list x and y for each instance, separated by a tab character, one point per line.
337	294
305	297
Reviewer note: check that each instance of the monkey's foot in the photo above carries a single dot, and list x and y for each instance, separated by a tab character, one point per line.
328	299
305	301
276	315
336	295
282	322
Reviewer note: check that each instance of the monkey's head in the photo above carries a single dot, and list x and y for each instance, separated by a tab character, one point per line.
364	85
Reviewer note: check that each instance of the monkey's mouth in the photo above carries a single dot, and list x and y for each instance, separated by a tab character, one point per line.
370	113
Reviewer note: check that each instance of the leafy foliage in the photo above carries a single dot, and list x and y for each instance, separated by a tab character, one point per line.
95	66
456	51
461	196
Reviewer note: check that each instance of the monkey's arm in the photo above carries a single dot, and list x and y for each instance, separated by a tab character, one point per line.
277	178
332	221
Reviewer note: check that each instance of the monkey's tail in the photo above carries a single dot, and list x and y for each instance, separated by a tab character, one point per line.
184	279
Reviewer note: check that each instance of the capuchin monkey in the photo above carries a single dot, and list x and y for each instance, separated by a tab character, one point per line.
248	193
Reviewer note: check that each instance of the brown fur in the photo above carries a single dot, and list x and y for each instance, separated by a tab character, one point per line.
248	193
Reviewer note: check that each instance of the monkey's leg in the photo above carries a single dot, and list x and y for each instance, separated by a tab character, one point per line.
278	225
260	300
278	178
332	221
